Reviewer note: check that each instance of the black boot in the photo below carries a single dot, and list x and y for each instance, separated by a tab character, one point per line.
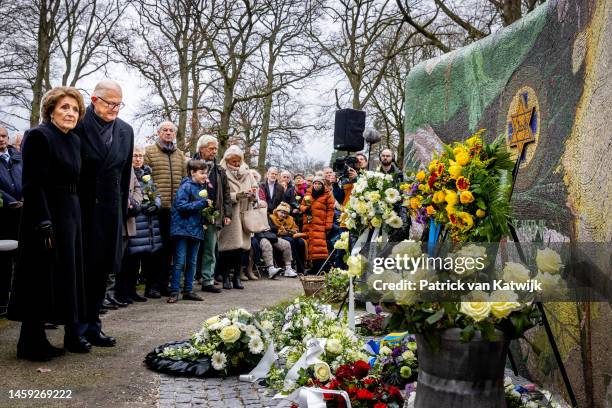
236	281
31	345
227	283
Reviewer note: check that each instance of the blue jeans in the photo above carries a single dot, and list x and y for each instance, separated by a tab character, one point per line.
209	258
185	258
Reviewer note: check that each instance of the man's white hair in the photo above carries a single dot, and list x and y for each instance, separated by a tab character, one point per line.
272	168
205	140
106	85
167	122
139	148
286	172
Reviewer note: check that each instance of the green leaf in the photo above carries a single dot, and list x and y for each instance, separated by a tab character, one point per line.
434	318
467	333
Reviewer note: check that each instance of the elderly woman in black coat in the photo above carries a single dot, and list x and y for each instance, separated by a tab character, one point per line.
48	284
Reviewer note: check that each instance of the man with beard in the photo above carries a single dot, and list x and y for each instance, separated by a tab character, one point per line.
388	165
107	143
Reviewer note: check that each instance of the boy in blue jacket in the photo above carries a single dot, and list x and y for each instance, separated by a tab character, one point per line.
187	228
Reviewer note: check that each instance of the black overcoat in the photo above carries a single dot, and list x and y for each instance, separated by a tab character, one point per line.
48	284
103	191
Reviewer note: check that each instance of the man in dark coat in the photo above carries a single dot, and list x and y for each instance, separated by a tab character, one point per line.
219	192
271	190
388	165
107	144
10	210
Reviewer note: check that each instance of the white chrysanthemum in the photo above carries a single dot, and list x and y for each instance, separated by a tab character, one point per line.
219	360
392	196
251	331
395	222
256	345
388	177
306	322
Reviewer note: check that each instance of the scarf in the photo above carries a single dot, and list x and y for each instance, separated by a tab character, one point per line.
317	193
235	171
98	127
167	148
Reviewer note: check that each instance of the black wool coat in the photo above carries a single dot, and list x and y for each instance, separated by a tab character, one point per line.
103	192
49	284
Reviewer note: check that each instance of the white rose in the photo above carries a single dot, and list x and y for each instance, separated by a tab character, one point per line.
146	178
407	247
322	371
230	334
333	346
550	283
548	261
476	310
385	351
354	265
212	320
515	272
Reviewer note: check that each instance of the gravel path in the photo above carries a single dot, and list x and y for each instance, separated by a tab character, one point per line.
116	377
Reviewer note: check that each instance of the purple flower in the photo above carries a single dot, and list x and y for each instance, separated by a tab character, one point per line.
410	388
397	351
422	216
414	188
378	309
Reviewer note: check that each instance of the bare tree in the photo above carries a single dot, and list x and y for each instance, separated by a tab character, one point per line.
165	47
357	47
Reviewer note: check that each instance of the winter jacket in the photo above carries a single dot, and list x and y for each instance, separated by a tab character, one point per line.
185	217
233	236
285	227
168	169
289	196
148	236
10	177
134	202
221	200
318	220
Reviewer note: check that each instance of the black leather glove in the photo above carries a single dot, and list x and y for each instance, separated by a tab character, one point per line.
149	209
46	235
133	209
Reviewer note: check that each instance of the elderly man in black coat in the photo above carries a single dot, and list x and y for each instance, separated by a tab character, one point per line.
107	144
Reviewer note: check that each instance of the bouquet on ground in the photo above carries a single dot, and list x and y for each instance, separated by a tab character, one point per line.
233	341
465	189
373	203
397	363
364	390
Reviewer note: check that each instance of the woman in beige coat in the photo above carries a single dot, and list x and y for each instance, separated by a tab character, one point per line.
234	242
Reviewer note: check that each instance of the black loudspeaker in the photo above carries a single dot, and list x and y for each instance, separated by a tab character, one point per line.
348	130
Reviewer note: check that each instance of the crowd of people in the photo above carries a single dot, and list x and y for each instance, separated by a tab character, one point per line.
95	216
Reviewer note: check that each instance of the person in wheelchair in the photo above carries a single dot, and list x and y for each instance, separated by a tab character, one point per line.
269	241
287	230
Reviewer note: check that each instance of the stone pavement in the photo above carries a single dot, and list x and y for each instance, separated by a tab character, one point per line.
177	392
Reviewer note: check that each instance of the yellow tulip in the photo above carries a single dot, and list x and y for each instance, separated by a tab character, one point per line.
480	213
420	175
466	197
455	171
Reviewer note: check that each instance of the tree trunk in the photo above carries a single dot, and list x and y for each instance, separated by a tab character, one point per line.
356	100
267	108
511	11
182	105
41	63
224	124
400	147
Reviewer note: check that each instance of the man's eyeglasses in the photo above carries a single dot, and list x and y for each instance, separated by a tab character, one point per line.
112	105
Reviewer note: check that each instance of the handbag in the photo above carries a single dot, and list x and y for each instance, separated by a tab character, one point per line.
254	219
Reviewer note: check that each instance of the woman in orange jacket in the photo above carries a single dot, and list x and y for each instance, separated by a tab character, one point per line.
318	209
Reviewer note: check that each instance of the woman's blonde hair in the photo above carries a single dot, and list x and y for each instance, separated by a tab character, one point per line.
53	96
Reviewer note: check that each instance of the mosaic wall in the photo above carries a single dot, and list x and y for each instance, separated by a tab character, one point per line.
547	77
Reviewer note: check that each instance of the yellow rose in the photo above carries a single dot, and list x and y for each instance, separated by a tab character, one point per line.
480	213
466	197
354	266
476	310
450	197
203	193
230	334
438	197
420	175
322	371
462	158
433	165
212	320
455	171
548	261
502	309
466	219
362	208
430	210
376	222
146	178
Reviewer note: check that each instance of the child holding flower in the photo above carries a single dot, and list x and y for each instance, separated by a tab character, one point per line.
186	228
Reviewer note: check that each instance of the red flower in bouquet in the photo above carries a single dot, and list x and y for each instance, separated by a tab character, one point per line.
344	372
364	394
394	392
380	405
361	369
369	381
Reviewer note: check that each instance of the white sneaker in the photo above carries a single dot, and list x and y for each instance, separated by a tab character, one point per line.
273	271
290	273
